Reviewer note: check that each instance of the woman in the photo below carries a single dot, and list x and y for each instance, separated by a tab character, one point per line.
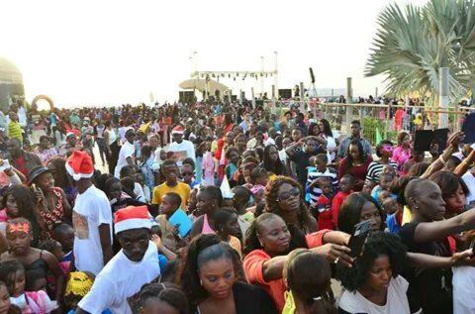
429	233
19	202
211	280
454	192
57	166
111	146
233	157
285	197
268	243
384	151
308	276
209	199
374	284
402	152
19	236
240	142
272	162
45	151
327	134
359	207
355	163
51	201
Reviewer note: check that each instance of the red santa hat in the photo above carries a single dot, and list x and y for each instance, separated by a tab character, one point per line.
132	217
178	130
79	165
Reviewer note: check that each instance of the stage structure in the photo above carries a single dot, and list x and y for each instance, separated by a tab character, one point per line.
11	84
261	75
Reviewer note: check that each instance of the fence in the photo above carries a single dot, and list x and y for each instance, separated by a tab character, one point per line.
375	118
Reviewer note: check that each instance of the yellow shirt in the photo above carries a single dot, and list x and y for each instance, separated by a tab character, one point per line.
181	189
406	216
235	244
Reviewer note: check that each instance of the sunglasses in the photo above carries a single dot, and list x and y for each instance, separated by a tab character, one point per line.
286	195
187	174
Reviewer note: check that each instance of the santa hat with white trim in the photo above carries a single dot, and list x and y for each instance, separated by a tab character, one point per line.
132	217
178	130
79	165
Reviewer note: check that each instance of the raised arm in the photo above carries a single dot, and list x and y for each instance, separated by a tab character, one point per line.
439	230
465	164
452	146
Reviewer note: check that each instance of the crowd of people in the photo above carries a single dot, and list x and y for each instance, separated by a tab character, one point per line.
224	208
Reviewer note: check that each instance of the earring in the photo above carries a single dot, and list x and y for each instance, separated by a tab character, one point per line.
201	282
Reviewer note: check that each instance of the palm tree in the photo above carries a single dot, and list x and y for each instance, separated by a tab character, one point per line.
413	43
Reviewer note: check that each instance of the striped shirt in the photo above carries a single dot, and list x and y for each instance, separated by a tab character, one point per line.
375	168
314	174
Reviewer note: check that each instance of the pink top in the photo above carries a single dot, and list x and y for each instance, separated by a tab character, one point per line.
206	227
401	155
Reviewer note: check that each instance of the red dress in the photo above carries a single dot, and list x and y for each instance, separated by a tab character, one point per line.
359	172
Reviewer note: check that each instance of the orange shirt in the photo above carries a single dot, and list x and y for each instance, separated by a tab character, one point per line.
253	267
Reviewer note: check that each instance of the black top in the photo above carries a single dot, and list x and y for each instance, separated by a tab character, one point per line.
302	161
429	288
251	299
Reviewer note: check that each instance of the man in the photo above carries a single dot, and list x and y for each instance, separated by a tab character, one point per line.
180	149
92	217
117	285
170	171
355	134
246	122
22	160
301	157
126	153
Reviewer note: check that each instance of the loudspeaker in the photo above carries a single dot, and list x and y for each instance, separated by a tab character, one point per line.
285	93
186	97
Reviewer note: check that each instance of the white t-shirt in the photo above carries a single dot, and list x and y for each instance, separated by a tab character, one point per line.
121	279
91	209
463	282
127	150
469	180
183	150
397	303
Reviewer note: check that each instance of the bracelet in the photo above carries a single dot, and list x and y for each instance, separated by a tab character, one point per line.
442	160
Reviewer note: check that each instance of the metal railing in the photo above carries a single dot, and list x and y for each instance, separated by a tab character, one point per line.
375	117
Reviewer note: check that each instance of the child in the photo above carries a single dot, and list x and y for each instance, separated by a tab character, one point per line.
385	181
5	303
241	199
169	205
208	165
259	181
368	187
161	298
171	173
78	285
346	188
320	170
394	212
323	205
227	227
140	179
55	248
30	302
188	175
64	234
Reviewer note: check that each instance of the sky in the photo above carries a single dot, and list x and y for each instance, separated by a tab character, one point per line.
113	52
